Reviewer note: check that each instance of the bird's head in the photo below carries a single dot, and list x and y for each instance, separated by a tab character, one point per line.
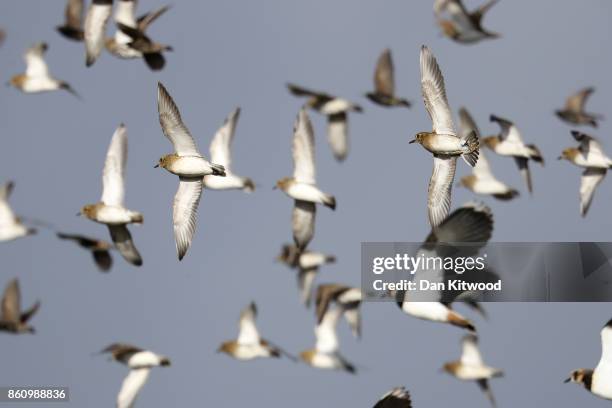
578	376
569	154
283	184
17	81
419	137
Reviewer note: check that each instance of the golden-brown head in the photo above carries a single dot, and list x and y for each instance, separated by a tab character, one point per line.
448	28
284	183
581	376
89	211
166	161
421	136
18	81
491	142
308	355
467	181
569	154
451	367
228	347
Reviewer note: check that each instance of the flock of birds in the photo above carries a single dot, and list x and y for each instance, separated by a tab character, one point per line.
470	223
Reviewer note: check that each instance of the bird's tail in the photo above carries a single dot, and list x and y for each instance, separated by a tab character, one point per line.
534	154
329	201
218	170
472	145
137	218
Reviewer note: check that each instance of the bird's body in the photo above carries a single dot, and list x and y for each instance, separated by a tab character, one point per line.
398	397
336	109
590	156
482	181
306	192
384	83
249	345
471	224
471	367
37	77
72	28
110	210
510	143
461	25
188	163
140	363
574	112
11	227
130	40
598	381
12	318
443	141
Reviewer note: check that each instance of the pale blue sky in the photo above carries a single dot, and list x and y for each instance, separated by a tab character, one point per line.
240	53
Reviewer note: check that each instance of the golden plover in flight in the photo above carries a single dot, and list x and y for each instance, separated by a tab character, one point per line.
37	77
12	318
599	380
384	83
110	210
443	141
595	162
249	344
482	180
573	112
130	40
470	224
307	264
100	249
347	298
11	226
461	25
336	109
73	21
471	367
188	164
140	363
510	143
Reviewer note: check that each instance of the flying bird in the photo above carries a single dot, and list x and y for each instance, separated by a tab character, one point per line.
590	156
384	83
140	363
471	226
325	355
99	249
96	20
398	397
11	226
249	344
12	318
461	25
482	180
130	40
302	186
220	153
443	141
72	28
510	143
110	210
471	367
597	381
336	109
573	112
307	263
347	298
37	77
188	163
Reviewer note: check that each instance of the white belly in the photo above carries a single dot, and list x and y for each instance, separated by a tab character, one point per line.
112	215
489	186
474	372
426	310
229	182
12	232
33	85
601	384
305	192
190	166
251	352
326	361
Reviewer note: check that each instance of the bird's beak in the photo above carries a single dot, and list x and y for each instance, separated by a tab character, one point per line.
275	187
560	157
7	83
79	214
567	380
156	166
412	141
